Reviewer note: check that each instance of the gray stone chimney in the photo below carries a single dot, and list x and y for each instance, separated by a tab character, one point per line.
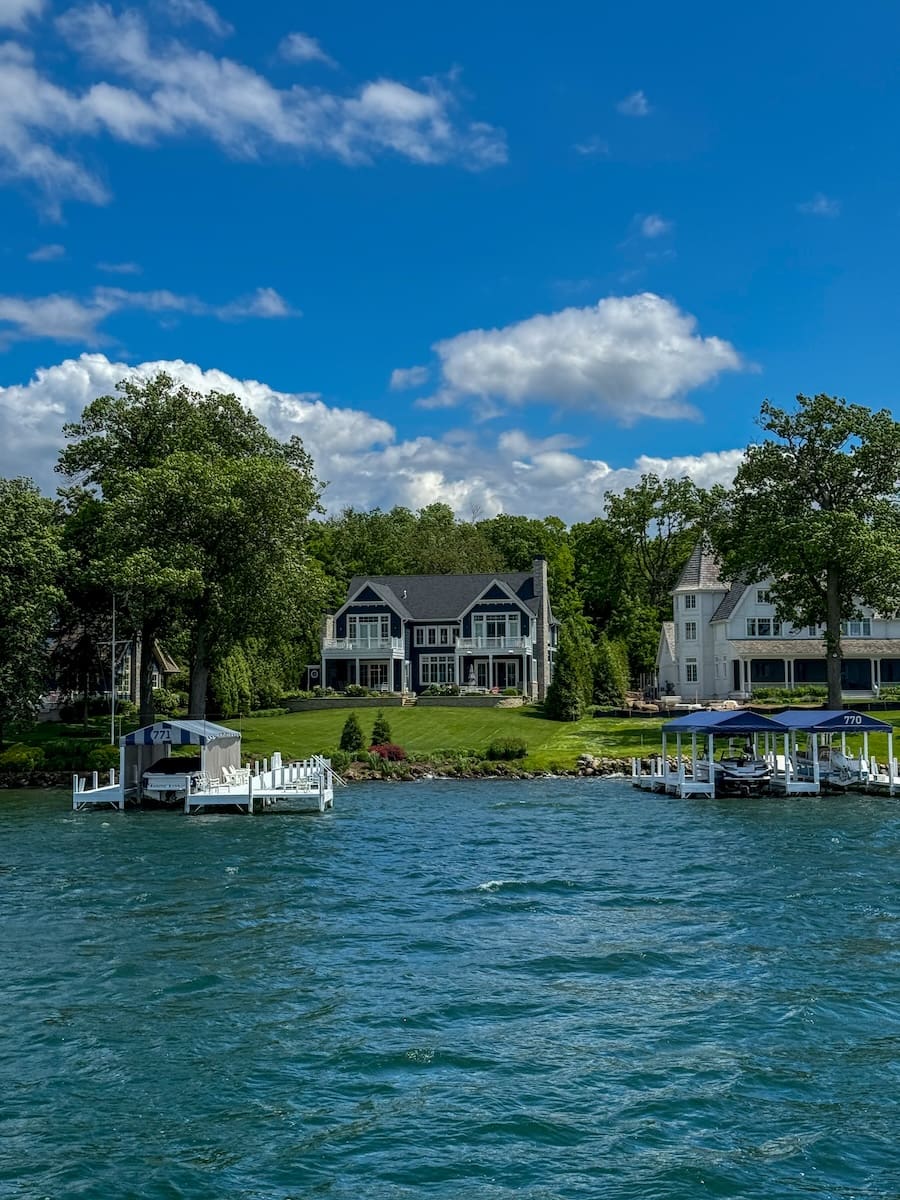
542	628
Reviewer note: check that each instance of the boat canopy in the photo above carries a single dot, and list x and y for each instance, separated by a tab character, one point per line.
722	723
179	733
819	720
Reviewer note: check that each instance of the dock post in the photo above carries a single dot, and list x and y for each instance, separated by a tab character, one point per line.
250	795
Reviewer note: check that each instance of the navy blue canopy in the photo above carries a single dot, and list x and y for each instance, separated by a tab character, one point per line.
722	724
179	733
840	720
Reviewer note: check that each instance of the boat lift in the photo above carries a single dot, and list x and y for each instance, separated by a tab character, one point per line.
697	775
212	779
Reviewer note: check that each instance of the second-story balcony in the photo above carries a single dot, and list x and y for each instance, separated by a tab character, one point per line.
368	647
495	645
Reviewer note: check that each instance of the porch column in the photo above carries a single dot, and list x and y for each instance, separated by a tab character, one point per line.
873	668
356	680
790	663
787	672
492	683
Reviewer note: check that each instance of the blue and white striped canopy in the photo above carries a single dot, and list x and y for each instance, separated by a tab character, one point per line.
178	733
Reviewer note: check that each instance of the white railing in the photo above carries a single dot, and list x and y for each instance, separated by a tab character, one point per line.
464	645
359	645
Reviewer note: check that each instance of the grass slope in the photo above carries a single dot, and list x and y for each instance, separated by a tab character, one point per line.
426	730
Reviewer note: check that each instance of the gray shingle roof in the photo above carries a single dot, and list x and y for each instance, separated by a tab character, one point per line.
730	603
667	639
443	597
701	571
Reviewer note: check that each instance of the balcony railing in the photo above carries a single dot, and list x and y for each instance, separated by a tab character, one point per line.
495	644
364	645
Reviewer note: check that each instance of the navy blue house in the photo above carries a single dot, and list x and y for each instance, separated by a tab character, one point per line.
402	633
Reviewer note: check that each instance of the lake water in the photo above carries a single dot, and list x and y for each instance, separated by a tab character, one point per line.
560	988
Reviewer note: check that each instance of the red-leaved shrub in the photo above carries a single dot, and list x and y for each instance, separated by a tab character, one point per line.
389	751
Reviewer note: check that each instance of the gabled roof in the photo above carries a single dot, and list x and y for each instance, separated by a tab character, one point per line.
443	597
666	641
701	572
721	723
830	720
179	733
732	599
375	585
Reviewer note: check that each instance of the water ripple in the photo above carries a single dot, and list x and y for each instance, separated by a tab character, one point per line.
545	990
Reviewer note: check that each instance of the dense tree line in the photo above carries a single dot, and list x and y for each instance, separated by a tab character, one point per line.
209	534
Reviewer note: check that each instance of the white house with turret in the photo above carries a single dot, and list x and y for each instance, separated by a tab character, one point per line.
724	640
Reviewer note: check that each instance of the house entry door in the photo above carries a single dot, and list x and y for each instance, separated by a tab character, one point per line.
507	673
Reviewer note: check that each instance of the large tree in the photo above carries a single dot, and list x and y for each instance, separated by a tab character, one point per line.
30	563
815	508
657	521
205	518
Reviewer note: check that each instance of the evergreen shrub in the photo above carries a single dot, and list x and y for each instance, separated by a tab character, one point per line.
102	758
66	754
381	730
506	748
20	757
352	735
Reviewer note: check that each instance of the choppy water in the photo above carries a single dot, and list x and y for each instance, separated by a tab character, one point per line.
540	990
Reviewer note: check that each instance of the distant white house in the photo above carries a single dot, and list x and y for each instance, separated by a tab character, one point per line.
724	640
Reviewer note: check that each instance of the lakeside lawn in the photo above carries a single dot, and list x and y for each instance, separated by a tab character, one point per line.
425	730
551	744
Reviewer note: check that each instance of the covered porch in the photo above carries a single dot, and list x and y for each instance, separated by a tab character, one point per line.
486	671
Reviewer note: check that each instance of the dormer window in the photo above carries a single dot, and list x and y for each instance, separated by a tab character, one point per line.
763	596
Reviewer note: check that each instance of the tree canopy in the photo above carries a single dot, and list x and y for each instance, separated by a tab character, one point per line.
205	517
815	508
30	562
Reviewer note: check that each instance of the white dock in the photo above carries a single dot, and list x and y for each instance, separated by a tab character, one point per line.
306	786
269	786
107	795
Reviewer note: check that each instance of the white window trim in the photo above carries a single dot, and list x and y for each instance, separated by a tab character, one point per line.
437	665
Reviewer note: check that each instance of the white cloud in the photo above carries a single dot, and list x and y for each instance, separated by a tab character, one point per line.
120	268
182	12
32	414
356	452
629	356
300	47
64	318
634	105
654	226
592	147
821	206
408	377
47	253
168	89
15	13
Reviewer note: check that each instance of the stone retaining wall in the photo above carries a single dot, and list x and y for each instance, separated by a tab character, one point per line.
343	702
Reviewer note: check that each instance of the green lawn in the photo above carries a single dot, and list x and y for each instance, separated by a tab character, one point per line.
426	730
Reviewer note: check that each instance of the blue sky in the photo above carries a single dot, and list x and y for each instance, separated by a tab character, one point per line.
505	256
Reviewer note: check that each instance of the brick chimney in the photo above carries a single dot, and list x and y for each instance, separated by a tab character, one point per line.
542	628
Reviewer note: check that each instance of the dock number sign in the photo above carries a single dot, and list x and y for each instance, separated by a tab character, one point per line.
853	719
158	736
